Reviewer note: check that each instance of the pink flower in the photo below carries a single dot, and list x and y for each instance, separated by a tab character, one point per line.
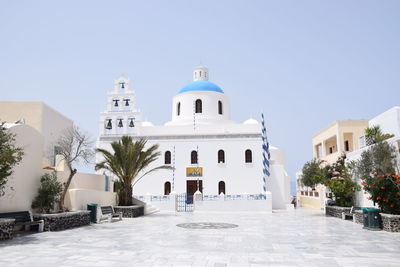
336	173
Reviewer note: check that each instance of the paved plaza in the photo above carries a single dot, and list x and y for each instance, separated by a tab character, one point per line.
284	238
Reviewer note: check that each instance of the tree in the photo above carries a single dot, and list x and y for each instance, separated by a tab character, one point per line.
49	193
127	160
74	147
380	157
10	156
339	180
312	173
374	135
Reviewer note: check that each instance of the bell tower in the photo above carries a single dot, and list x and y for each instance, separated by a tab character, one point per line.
200	73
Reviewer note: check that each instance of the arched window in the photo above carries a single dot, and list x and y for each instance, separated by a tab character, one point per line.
167	188
221	187
198	106
221	156
167	157
120	123
193	157
116	102
108	124
131	122
248	156
178	109
220	107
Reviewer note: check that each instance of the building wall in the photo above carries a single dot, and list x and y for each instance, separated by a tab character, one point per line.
89	181
23	184
389	121
239	177
47	121
77	199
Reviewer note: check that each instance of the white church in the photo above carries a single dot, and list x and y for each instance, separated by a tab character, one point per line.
209	152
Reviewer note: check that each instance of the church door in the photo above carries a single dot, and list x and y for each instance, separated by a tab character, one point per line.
191	188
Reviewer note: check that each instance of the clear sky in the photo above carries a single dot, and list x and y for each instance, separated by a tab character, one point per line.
304	64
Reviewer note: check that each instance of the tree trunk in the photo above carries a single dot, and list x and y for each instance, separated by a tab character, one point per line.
64	193
128	196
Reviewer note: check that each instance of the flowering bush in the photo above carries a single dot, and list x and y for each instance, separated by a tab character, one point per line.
377	170
338	179
384	190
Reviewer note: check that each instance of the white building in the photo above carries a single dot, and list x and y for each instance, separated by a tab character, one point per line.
201	142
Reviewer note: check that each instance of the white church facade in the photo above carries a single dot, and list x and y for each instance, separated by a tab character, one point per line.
208	151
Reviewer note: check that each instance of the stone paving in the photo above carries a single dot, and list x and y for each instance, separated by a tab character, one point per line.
284	238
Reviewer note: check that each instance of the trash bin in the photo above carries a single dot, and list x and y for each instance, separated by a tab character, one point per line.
372	219
93	212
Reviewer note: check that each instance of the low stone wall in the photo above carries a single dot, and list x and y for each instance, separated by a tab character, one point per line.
390	222
65	220
358	217
130	211
6	228
336	211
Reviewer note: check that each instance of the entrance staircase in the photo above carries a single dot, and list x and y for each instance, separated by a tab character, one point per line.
148	208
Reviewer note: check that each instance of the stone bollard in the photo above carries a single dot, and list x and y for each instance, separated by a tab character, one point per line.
198	196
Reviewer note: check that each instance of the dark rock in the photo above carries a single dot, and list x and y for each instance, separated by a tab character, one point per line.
336	211
130	211
6	228
390	222
64	220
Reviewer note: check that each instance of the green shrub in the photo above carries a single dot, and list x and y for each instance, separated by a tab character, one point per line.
49	193
10	156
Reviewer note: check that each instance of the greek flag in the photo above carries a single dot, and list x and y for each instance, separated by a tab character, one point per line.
266	154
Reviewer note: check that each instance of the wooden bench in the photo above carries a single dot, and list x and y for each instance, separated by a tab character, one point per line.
23	218
109	213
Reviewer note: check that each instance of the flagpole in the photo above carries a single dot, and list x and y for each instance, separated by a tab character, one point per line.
266	155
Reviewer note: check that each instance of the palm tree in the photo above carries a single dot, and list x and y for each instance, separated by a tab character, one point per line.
375	135
128	160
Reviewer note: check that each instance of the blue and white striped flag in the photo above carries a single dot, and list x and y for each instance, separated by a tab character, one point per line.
266	154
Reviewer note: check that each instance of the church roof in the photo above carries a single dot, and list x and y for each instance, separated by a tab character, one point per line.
201	85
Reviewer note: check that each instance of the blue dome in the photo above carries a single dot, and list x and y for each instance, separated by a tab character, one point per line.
201	86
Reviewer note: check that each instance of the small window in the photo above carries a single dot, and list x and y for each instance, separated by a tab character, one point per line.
108	124
120	123
221	187
221	156
193	157
330	150
248	156
220	107
57	151
116	102
198	106
127	102
167	188
167	157
178	109
131	122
